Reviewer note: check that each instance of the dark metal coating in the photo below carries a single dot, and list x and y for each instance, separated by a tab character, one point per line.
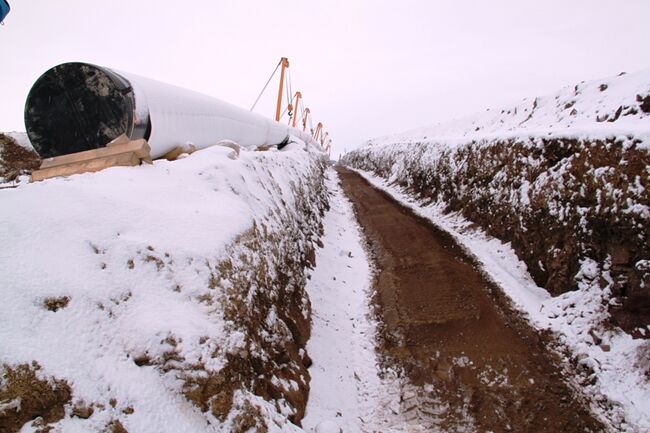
77	106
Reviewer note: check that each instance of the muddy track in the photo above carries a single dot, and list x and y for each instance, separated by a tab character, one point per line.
469	362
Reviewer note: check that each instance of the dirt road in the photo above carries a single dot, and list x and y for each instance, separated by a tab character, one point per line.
470	363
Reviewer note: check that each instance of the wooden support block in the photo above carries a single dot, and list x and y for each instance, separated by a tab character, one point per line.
139	147
119	153
126	159
173	154
119	140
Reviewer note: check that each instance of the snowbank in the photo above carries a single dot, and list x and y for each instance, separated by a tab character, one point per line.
609	107
161	298
563	180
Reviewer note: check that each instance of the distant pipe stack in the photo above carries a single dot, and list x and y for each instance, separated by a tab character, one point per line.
78	106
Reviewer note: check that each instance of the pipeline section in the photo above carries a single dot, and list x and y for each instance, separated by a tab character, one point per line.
78	106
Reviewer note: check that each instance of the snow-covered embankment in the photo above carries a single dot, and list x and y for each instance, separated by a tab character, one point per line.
564	180
162	298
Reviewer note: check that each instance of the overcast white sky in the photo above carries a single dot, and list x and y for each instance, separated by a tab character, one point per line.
365	68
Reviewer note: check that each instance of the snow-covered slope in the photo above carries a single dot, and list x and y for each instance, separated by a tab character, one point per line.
160	298
564	182
608	107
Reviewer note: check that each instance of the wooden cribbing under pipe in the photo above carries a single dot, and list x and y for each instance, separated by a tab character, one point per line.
119	152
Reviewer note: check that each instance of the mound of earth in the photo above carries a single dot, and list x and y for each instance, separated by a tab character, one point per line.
17	157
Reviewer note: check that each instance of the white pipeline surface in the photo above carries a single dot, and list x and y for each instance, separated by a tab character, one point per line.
179	116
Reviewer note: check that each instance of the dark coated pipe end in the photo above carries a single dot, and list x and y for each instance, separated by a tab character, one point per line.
77	106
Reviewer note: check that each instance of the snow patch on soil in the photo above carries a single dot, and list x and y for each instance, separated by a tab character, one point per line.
21	138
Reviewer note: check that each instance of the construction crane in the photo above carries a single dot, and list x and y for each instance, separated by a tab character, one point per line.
284	62
318	131
293	103
294	117
305	117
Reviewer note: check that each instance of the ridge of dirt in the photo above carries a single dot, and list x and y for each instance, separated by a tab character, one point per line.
469	360
557	200
15	159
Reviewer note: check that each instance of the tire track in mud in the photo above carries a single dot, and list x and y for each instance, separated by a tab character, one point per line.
467	360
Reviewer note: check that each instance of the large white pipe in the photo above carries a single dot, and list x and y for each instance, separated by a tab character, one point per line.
78	106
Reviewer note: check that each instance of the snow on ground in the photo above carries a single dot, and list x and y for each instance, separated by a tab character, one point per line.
614	106
346	390
128	257
344	370
571	316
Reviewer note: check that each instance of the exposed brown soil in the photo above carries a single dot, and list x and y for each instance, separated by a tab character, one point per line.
471	361
556	200
29	397
116	427
15	159
55	304
82	410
